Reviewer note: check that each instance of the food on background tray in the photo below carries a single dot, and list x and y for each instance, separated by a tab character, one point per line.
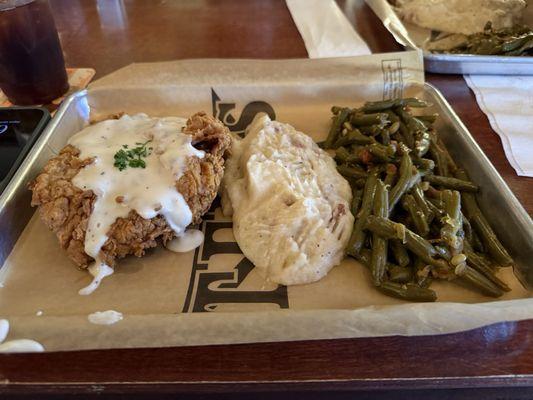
417	218
122	185
460	16
514	41
290	206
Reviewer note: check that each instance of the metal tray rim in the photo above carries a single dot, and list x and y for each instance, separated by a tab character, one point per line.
36	150
471	58
520	210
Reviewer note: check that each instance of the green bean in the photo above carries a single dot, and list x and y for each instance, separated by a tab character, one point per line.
424	163
398	138
385	136
467	228
376	106
386	228
372	130
433	193
422	144
441	161
351	172
399	274
480	264
482	227
358	234
395	126
399	252
408	292
353	137
356	201
335	129
362	156
379	244
380	119
364	256
415	243
436	212
437	204
431	118
418	195
402	149
423	273
393	117
417	216
409	138
341	155
406	173
525	47
413	102
452	183
381	153
358	183
427	124
444	252
452	167
477	244
505	42
489	238
477	280
354	155
414	125
516	43
336	109
390	176
452	223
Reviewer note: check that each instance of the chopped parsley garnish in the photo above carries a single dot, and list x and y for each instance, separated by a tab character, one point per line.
132	158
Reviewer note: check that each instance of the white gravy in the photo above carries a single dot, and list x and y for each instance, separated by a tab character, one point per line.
150	191
18	345
187	242
21	346
99	271
4	329
108	317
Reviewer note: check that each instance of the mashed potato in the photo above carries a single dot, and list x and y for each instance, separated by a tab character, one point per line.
290	206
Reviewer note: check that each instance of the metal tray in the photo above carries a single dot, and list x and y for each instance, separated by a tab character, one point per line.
449	63
505	213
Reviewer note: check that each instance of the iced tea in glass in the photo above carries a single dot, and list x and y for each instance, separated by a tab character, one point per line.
32	68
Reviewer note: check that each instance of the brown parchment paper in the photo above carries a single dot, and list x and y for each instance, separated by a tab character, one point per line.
213	295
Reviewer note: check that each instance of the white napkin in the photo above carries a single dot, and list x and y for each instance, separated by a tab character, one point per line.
325	30
508	103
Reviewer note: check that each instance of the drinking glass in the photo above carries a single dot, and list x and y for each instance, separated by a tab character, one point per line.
32	68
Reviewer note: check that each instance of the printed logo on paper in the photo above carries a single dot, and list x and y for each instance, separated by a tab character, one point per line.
392	79
215	284
224	111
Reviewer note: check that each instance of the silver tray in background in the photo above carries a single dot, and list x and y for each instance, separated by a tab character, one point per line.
502	209
449	63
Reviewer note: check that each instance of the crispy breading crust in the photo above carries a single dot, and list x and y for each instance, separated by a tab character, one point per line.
65	209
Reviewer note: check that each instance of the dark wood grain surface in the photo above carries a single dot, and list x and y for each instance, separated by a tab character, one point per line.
491	362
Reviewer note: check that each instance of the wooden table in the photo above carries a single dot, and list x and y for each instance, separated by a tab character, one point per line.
492	362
